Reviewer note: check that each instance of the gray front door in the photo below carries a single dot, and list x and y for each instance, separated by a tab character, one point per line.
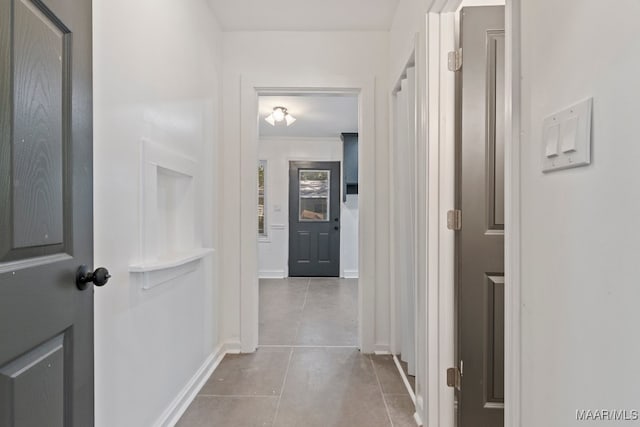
480	242
314	219
46	228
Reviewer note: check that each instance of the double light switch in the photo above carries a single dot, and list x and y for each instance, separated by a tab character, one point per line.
567	138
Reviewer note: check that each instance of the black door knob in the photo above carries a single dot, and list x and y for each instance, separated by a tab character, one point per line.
336	228
84	276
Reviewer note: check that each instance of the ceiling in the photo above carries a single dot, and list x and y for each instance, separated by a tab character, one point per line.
304	15
318	116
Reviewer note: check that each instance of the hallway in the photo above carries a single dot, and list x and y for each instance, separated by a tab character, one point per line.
307	370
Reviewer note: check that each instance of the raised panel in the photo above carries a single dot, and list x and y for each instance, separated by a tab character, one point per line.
494	345
304	247
38	123
32	387
495	128
324	249
33	179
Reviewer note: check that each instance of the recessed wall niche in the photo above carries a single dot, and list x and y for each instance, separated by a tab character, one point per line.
169	244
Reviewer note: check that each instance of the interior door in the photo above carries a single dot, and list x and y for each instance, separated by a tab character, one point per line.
480	242
46	230
314	219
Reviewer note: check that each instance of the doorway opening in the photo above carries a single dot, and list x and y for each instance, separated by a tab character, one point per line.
308	213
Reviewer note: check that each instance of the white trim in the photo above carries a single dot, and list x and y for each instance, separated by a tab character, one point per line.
351	274
405	380
251	88
157	272
272	274
176	261
381	349
513	348
417	419
418	416
171	415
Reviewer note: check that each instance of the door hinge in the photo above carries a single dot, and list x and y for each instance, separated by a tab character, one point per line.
454	219
454	378
455	60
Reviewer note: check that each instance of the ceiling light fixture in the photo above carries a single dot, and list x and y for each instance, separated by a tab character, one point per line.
278	115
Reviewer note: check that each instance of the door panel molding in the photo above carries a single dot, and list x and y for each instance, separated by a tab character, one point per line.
495	131
12	266
34	164
494	345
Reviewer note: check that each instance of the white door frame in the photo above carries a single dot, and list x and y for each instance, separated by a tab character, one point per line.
251	87
440	100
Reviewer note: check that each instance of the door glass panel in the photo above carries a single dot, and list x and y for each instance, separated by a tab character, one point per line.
314	195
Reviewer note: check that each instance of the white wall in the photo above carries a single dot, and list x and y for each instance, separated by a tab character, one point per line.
580	236
313	54
273	252
156	75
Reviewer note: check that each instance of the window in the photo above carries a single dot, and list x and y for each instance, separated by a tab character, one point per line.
314	195
262	220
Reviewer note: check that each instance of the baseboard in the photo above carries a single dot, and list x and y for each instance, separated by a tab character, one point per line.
417	419
351	274
381	350
417	416
232	347
271	274
405	380
179	405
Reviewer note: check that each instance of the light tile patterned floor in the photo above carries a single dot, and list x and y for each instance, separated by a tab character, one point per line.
307	371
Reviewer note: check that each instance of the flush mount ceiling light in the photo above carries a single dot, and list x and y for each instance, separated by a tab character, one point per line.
278	115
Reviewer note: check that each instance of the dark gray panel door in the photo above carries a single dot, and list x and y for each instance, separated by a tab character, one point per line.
46	228
480	242
314	219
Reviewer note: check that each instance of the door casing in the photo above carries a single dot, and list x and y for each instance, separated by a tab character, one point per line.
438	330
252	86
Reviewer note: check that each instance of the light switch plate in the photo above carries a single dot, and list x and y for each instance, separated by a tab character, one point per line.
566	138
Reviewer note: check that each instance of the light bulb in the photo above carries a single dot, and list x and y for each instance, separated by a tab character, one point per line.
290	119
269	119
278	114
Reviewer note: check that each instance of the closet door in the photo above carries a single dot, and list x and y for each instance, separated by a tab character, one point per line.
405	162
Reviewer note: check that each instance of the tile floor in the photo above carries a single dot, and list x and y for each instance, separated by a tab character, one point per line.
307	370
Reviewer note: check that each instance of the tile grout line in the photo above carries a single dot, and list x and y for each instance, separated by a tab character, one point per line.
284	382
304	304
384	400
